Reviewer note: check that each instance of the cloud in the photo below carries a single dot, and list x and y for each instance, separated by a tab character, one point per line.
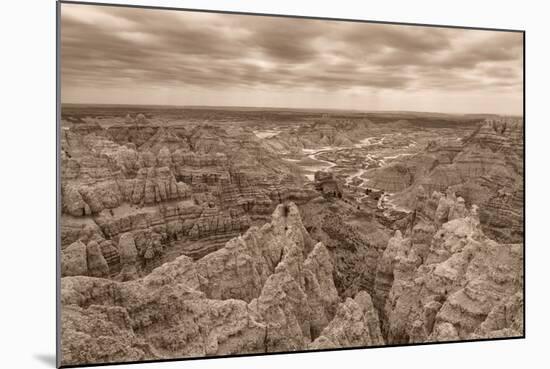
117	48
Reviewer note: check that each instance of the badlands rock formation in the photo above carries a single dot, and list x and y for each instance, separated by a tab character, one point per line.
204	239
273	289
322	132
446	280
354	325
266	291
485	168
174	190
394	178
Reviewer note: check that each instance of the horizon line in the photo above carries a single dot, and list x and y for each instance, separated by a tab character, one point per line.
286	108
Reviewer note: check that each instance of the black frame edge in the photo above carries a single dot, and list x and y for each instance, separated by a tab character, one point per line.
524	191
482	340
289	16
58	185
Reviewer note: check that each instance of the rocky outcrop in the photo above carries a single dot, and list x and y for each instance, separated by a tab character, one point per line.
393	178
81	259
111	255
485	168
150	186
503	134
194	226
73	260
250	264
199	186
504	320
269	290
128	257
448	291
444	149
96	263
327	131
354	325
325	183
384	276
120	321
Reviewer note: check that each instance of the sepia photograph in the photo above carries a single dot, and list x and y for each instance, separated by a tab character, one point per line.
242	184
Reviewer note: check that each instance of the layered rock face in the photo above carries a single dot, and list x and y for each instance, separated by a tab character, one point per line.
485	168
269	290
175	190
446	280
393	178
323	132
108	175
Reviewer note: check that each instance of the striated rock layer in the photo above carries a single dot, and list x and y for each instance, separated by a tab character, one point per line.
453	283
177	191
269	290
485	168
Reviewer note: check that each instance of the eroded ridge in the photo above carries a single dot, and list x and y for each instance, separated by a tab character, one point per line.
269	290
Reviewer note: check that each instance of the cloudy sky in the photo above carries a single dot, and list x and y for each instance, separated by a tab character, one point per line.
158	57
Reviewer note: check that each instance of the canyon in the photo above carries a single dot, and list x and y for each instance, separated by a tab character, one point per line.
189	232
